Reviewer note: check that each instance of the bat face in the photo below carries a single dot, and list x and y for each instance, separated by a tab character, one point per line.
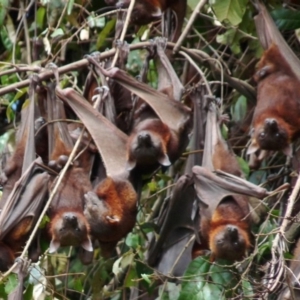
229	242
69	228
271	135
111	209
147	148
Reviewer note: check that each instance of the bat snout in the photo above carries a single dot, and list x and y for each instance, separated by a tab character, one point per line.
232	232
70	220
144	138
271	124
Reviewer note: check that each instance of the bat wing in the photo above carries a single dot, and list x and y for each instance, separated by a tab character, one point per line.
180	219
113	152
166	74
212	187
171	112
26	199
212	136
268	34
177	229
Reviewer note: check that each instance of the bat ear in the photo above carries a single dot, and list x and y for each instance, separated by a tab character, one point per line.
130	165
288	150
253	147
164	160
54	245
87	245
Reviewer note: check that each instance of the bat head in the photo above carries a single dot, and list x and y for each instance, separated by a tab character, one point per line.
69	229
147	148
270	135
229	242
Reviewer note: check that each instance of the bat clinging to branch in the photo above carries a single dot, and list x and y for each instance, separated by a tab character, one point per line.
276	120
110	207
160	132
224	211
68	225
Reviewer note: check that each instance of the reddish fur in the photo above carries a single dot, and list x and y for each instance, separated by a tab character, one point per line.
278	97
231	212
119	201
69	198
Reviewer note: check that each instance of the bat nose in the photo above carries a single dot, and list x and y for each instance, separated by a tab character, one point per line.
144	137
70	218
232	231
271	122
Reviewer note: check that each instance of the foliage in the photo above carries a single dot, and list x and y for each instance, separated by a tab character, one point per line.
63	32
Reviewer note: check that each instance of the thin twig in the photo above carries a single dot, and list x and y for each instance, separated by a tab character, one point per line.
189	25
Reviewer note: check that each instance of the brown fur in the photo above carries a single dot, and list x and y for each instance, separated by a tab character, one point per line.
68	203
278	103
230	213
147	11
111	211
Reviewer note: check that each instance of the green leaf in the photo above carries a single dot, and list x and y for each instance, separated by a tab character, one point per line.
109	27
231	10
286	19
40	17
146	278
11	283
132	240
70	6
3	11
57	32
239	109
244	166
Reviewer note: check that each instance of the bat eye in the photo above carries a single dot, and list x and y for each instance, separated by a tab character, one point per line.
277	135
262	135
77	229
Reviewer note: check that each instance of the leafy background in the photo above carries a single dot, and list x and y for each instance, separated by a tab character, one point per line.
63	32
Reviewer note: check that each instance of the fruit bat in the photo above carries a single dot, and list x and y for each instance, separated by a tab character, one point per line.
110	207
161	126
25	189
224	210
147	11
276	117
180	221
68	225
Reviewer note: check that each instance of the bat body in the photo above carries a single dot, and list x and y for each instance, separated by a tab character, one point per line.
275	120
180	220
25	189
111	211
68	225
110	207
161	125
224	213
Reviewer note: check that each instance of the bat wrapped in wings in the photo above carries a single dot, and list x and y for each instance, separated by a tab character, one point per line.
25	189
171	251
224	211
110	207
161	126
276	122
